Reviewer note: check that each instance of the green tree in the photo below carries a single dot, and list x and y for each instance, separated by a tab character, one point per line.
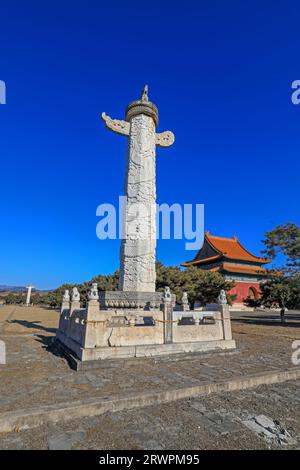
276	291
54	298
14	298
202	286
106	282
284	240
282	286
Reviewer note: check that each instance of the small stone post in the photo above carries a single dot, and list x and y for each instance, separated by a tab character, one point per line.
225	315
66	301
75	304
92	315
185	302
168	316
64	312
93	303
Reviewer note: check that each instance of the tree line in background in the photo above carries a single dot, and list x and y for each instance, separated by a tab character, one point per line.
281	288
282	285
201	286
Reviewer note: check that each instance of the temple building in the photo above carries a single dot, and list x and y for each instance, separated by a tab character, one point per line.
228	257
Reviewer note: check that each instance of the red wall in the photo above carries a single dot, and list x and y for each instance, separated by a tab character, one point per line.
241	290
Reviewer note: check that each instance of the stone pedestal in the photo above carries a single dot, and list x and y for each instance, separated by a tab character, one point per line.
130	300
75	305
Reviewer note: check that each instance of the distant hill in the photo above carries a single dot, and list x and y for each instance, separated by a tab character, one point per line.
12	288
4	288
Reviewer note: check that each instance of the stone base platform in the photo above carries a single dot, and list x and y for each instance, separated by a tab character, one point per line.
93	357
139	324
127	299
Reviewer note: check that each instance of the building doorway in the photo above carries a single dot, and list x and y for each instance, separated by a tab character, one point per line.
253	293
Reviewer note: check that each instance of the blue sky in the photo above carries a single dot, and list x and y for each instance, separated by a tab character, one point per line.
220	73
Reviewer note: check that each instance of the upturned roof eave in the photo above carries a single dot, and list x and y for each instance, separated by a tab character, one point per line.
222	255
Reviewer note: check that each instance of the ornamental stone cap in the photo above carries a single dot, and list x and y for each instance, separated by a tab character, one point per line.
142	106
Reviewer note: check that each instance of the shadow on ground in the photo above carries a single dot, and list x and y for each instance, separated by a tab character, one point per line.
33	325
50	344
291	320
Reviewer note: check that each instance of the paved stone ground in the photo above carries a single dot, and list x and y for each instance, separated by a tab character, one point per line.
34	376
215	422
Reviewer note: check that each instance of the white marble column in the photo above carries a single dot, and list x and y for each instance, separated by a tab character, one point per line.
137	257
29	288
139	243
